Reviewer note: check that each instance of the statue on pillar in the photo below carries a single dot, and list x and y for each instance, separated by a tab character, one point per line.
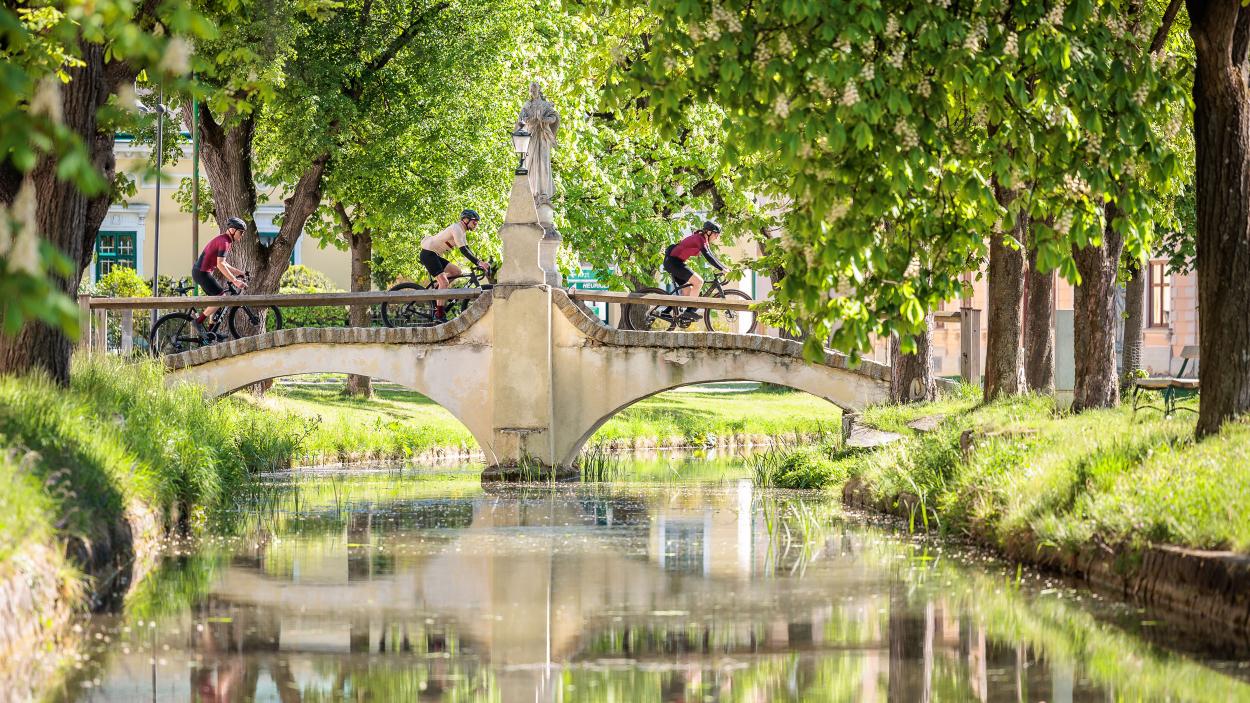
539	118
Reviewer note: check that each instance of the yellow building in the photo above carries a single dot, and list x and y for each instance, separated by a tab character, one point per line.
128	234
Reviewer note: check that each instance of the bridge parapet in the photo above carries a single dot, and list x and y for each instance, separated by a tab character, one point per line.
333	335
589	325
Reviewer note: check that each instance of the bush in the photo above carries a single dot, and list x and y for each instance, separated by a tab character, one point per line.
301	279
122	282
805	467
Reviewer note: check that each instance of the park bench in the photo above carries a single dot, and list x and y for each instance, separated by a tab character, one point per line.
1168	386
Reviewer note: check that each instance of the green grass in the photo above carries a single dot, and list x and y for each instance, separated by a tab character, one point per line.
76	458
398	423
395	424
1037	475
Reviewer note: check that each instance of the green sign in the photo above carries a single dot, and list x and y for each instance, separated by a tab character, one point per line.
585	280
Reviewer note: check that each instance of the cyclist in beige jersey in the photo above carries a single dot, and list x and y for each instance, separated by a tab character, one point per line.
435	247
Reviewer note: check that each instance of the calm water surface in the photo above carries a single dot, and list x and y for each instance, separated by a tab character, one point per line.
390	586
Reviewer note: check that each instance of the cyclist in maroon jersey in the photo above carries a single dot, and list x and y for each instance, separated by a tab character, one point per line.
688	282
213	260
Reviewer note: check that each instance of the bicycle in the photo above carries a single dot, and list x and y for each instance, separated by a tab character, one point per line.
661	318
420	313
176	332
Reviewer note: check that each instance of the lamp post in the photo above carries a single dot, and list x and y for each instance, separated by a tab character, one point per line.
521	145
160	111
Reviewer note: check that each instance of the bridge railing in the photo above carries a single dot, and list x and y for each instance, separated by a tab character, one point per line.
96	311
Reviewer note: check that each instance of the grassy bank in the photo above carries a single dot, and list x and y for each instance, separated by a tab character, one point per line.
399	424
1133	503
1018	470
77	457
92	473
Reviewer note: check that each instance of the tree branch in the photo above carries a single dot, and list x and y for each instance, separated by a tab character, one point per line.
1241	37
379	62
1165	26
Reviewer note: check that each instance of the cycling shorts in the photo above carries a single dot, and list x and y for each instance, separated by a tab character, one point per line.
678	269
207	282
433	263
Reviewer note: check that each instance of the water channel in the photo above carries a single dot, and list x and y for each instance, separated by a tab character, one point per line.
684	583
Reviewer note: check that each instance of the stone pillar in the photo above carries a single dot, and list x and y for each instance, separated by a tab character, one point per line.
521	366
548	247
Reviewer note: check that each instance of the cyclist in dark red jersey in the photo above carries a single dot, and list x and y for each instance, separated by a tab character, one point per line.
675	258
213	260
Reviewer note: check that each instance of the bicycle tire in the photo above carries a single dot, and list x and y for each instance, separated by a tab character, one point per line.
732	321
413	313
645	318
271	316
174	333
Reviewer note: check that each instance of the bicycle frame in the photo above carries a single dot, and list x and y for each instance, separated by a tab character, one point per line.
714	288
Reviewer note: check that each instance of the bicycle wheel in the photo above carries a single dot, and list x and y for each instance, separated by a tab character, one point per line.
415	313
245	321
736	321
651	318
173	334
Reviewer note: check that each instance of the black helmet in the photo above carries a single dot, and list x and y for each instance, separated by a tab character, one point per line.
236	223
710	226
469	215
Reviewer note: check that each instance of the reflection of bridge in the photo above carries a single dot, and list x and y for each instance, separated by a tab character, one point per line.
526	369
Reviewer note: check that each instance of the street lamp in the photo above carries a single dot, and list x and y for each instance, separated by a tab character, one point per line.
160	110
521	145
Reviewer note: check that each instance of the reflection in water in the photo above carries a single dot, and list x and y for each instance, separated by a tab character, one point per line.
378	588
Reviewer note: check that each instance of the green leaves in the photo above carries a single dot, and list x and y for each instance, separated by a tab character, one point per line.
908	110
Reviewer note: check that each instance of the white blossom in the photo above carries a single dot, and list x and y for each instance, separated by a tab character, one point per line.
1063	225
696	33
177	58
891	27
1055	16
822	87
896	59
1075	184
868	73
23	251
838	211
843	46
1011	47
976	36
1141	94
925	88
850	95
783	44
47	99
907	135
781	106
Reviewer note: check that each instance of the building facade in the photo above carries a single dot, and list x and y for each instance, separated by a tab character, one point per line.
129	233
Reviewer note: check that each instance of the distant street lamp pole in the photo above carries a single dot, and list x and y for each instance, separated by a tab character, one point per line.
195	181
160	111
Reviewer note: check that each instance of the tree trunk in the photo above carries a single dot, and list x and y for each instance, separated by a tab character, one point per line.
358	315
1221	33
1094	320
1039	329
911	375
1134	321
67	218
227	156
1003	355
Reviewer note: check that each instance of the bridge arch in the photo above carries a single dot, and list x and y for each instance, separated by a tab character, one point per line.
448	374
649	371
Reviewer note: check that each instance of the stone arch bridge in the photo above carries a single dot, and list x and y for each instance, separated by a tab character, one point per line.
527	369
